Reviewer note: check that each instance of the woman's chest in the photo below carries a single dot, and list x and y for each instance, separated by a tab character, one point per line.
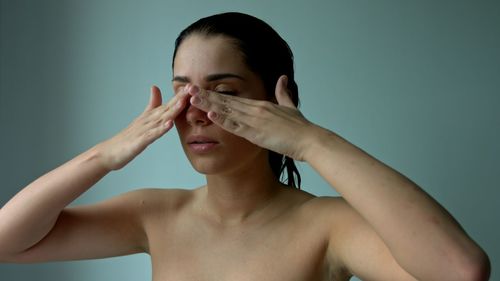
281	251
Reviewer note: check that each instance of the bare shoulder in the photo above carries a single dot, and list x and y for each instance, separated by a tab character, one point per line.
160	200
325	208
150	205
331	216
326	215
335	214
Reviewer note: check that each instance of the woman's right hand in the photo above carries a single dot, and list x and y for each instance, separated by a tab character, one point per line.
154	122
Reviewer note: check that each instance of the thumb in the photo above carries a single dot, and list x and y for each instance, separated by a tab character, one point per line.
282	93
154	99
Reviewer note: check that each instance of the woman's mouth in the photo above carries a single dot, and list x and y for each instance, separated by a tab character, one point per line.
201	144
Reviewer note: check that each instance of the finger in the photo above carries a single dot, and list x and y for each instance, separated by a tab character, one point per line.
221	103
176	107
282	93
176	100
155	99
215	96
167	111
156	132
200	98
229	124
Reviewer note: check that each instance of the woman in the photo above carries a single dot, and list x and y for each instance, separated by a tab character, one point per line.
235	109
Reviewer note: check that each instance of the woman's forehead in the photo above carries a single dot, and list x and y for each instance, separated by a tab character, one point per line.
202	53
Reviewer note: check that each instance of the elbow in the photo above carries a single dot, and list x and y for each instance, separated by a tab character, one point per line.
6	256
11	257
476	268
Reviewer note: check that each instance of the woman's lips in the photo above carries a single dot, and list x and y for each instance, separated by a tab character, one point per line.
201	144
202	147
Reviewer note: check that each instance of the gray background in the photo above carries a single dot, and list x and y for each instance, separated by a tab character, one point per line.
414	83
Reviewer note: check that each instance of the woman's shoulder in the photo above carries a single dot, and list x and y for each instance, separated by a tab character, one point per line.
160	199
324	208
309	201
326	202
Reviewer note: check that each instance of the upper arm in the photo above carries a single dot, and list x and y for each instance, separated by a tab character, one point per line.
359	249
110	228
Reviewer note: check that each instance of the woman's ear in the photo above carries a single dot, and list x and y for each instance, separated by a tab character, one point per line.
282	93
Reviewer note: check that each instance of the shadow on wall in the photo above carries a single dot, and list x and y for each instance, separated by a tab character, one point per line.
104	269
39	272
35	60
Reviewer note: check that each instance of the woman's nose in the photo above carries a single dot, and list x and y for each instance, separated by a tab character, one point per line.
196	117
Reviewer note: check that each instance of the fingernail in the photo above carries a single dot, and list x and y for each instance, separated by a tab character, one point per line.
212	115
195	100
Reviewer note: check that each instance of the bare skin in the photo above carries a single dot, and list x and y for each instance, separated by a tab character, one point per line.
243	224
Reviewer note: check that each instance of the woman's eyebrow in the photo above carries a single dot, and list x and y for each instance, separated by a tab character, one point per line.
209	78
182	79
220	76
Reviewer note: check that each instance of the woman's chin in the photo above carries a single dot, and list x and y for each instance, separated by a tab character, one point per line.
227	163
208	167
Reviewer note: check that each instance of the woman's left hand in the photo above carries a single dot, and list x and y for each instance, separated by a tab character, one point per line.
278	127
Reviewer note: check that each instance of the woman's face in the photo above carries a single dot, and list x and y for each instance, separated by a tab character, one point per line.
214	63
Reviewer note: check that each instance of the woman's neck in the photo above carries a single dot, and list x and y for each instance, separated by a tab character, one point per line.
236	197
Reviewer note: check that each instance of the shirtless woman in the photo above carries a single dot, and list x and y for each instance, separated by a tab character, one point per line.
235	111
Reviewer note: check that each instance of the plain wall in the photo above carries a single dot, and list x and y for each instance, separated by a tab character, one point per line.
414	83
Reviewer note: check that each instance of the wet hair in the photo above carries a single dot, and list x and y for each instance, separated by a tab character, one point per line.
267	55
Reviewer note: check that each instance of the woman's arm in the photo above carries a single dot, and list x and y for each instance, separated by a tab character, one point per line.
36	215
423	237
33	212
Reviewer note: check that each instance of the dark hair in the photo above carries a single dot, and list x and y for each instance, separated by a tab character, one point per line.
266	54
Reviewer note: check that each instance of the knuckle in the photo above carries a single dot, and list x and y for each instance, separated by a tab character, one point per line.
261	109
159	122
151	134
155	113
220	117
204	94
232	125
226	110
165	116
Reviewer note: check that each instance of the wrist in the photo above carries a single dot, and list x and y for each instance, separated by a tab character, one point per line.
320	141
97	154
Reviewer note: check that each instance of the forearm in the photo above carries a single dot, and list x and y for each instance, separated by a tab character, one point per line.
420	234
31	214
